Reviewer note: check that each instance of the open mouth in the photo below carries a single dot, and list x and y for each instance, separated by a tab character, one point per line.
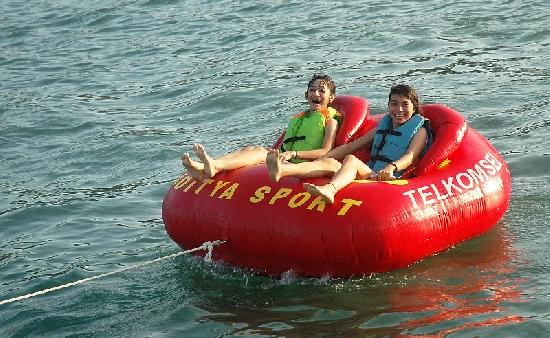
316	101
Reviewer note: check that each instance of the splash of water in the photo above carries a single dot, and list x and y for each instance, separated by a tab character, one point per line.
210	247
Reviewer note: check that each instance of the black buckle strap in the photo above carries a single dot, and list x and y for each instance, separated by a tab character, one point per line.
294	139
291	140
389	132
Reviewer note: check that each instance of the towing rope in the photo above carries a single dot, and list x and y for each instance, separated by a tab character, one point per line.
205	246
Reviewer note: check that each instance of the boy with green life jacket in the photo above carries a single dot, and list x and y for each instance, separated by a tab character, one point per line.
309	136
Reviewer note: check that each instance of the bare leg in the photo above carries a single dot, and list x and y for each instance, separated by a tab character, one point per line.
238	152
243	158
319	168
351	168
195	169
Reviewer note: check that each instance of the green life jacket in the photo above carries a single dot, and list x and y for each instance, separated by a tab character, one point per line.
306	131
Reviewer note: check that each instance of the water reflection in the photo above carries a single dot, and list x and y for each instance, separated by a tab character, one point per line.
471	287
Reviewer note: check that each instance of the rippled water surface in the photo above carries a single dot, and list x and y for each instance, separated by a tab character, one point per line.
99	99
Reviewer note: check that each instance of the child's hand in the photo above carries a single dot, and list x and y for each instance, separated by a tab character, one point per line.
285	156
386	174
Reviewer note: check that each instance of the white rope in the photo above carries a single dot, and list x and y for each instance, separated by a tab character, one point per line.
205	246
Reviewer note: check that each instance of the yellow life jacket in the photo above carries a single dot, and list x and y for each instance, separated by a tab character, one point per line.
306	130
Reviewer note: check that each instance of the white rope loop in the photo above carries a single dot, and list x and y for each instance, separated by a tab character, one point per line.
205	246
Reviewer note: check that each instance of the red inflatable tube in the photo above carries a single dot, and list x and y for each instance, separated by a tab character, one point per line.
461	191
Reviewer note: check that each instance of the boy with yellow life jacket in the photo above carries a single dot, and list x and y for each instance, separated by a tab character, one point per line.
309	136
306	131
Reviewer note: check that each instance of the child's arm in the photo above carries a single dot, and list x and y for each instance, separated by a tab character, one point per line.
345	149
413	151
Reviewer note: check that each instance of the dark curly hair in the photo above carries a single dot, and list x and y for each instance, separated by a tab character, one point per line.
408	92
325	80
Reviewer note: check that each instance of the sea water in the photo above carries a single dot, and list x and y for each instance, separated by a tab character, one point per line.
98	100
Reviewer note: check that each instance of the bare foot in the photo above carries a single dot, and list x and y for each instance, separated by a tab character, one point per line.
186	160
195	169
274	165
208	162
326	191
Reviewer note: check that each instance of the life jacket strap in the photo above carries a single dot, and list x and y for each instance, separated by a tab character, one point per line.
294	139
389	131
291	140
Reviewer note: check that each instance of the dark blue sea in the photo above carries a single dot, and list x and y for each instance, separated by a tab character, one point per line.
99	99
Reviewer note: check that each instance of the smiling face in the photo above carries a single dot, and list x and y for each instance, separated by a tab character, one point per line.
319	95
401	109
